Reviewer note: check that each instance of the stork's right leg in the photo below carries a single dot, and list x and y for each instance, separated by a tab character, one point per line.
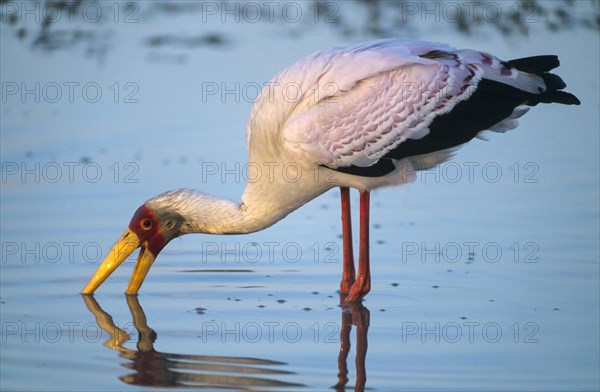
348	275
362	286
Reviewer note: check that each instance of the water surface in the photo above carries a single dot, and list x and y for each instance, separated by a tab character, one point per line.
485	271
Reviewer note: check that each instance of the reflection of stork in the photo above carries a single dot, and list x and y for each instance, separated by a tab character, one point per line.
153	368
364	117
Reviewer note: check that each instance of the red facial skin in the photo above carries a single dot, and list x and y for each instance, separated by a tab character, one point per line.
145	225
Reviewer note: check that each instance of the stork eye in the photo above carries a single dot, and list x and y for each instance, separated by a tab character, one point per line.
146	224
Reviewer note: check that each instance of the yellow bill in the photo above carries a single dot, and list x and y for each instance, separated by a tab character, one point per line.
123	248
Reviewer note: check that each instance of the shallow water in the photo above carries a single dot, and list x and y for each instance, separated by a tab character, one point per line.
485	270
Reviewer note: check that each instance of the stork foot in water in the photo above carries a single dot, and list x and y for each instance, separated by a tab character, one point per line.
361	285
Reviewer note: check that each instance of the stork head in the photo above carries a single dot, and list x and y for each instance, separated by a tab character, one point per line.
152	226
164	217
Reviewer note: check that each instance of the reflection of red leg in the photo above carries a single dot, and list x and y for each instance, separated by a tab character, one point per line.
362	286
361	319
344	350
353	313
348	273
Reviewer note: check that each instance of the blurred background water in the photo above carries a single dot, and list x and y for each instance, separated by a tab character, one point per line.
485	270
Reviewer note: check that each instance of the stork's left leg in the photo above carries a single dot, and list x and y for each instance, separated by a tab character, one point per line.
362	285
348	255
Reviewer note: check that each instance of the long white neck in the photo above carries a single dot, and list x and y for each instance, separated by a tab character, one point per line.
260	208
203	213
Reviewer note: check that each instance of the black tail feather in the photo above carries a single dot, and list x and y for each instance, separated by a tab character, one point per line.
564	98
541	65
553	82
535	64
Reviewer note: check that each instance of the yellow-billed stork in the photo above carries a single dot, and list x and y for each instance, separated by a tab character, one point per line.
363	116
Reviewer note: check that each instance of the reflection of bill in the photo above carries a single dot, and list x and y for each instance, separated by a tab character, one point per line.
153	368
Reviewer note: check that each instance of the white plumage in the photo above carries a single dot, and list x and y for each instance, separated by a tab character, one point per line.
363	116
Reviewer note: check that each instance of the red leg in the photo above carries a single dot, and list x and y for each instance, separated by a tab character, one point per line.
348	273
362	286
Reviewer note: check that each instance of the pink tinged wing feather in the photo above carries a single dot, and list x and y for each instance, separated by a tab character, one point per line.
358	103
382	108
